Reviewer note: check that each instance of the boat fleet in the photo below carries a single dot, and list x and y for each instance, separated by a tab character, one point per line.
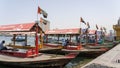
52	48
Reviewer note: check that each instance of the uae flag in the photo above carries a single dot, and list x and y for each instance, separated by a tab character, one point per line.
43	21
81	20
41	11
101	28
104	29
97	27
88	25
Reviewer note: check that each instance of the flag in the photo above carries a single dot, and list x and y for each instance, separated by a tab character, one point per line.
41	11
43	21
104	29
81	20
88	25
101	28
44	14
86	31
97	27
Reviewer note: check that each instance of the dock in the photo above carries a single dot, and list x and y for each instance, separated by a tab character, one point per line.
110	59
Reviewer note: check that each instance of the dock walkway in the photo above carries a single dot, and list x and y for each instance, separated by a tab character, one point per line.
110	59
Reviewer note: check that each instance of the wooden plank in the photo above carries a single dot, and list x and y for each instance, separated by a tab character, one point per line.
109	59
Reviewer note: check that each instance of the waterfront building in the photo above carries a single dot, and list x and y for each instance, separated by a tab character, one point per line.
117	30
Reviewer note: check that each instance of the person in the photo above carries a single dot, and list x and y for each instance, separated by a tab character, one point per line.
67	42
2	47
92	39
24	43
63	42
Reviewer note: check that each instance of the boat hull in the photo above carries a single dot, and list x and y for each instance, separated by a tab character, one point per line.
56	63
41	61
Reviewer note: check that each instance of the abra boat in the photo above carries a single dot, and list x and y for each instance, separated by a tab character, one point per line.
85	46
29	56
41	60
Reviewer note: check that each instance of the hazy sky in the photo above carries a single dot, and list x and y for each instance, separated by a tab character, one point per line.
62	13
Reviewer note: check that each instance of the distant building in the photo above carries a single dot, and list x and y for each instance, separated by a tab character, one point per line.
117	30
119	21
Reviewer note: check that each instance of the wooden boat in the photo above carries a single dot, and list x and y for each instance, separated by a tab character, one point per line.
84	47
84	50
27	28
14	58
28	56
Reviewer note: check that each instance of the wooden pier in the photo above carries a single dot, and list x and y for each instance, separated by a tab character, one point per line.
110	59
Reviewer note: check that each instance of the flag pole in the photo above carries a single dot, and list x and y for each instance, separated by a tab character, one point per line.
96	38
102	33
80	35
36	35
87	39
37	8
96	35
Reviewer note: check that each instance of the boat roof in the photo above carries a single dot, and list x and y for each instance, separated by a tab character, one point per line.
92	31
22	27
63	31
68	31
42	58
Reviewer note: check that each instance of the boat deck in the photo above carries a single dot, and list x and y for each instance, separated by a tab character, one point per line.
44	49
84	50
41	57
42	61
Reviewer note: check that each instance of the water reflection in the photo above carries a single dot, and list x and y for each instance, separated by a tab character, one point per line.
80	60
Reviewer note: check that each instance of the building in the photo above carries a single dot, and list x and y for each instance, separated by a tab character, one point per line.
117	30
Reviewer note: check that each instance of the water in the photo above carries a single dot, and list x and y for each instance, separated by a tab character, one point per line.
80	60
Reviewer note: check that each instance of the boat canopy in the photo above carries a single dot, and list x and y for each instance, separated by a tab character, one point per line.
68	31
92	31
16	28
63	31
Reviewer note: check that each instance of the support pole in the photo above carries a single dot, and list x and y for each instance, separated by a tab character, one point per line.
14	38
41	40
96	38
26	39
36	39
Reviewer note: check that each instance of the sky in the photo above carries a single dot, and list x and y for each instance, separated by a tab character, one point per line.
62	13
